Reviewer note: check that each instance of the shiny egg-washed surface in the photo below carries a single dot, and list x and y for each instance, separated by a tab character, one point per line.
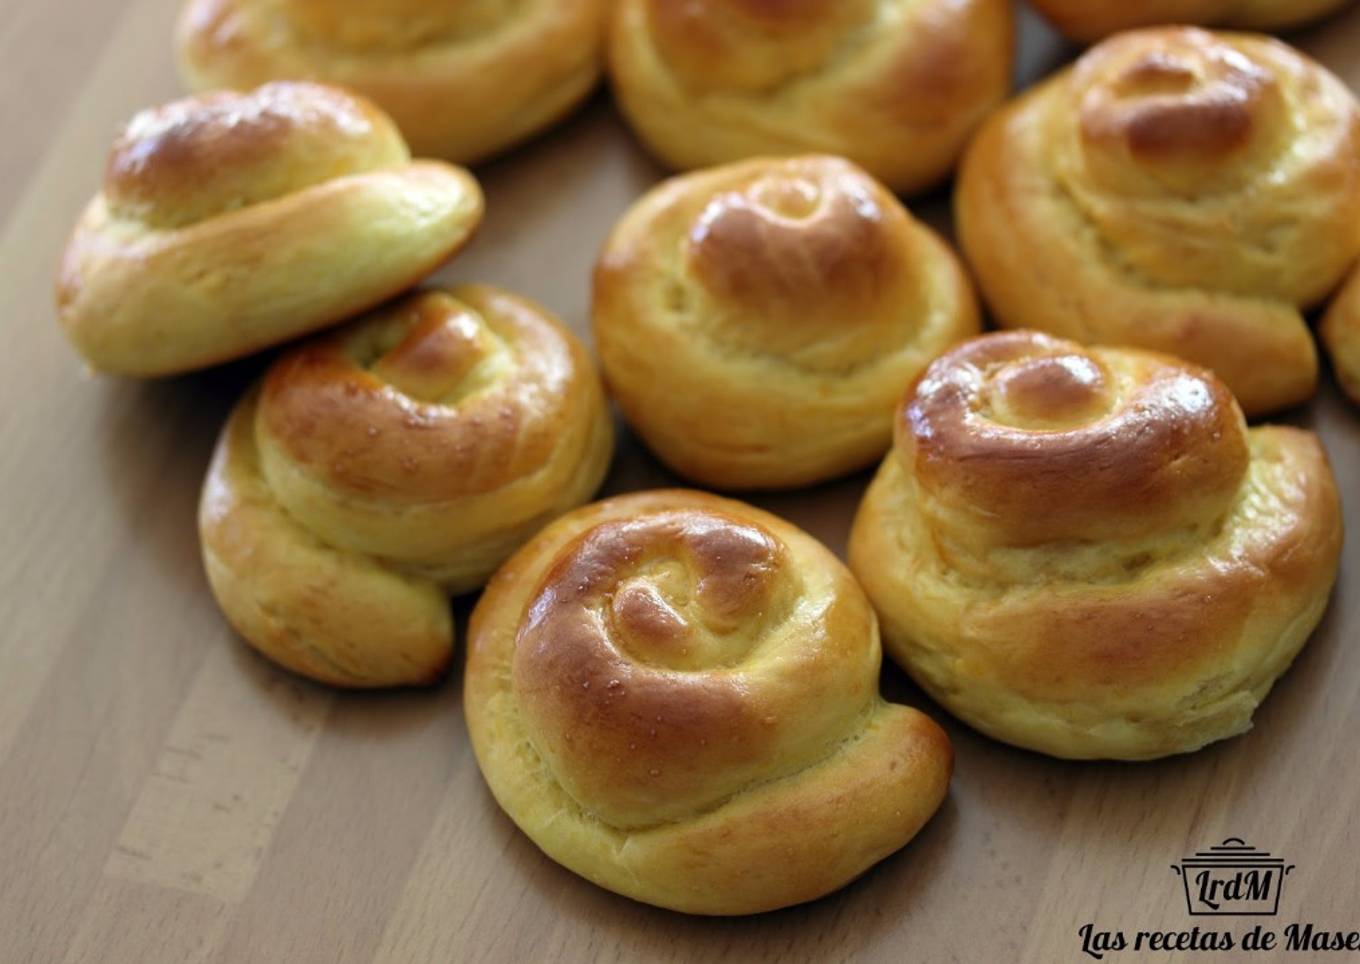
379	469
896	86
1086	552
231	222
1175	189
758	322
462	80
676	696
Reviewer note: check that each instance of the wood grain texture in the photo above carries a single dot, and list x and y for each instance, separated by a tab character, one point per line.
167	796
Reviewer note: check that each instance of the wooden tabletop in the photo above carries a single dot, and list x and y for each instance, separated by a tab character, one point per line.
165	795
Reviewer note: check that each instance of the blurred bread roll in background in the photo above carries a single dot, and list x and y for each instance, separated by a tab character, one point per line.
896	86
676	696
1085	552
231	222
380	468
1089	20
1178	190
758	322
464	79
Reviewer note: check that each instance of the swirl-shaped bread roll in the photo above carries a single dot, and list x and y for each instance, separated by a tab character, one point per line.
1178	190
231	222
1341	334
676	696
1088	20
1087	553
464	79
759	322
895	85
380	468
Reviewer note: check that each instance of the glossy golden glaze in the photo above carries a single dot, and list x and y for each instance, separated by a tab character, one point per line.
191	159
1042	440
894	86
392	463
437	397
463	80
663	685
1090	20
231	222
759	322
1107	564
1178	190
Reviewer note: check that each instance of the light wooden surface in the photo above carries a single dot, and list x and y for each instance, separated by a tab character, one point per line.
167	796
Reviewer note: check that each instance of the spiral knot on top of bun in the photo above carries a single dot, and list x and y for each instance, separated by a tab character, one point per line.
796	297
660	683
896	86
1037	439
1086	552
1178	190
1191	115
392	463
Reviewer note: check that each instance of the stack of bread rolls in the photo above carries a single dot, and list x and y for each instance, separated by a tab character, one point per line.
1074	542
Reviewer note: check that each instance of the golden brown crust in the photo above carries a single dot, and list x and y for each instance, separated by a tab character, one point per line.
895	86
1090	20
462	80
378	469
758	322
663	687
1340	332
1177	190
232	222
1127	584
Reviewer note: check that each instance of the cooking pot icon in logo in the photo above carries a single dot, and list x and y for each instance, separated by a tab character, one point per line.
1232	879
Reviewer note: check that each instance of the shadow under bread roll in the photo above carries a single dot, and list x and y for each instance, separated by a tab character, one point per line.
381	468
676	696
1087	553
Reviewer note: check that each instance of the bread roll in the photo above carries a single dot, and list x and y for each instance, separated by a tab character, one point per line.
380	468
676	696
1178	190
1090	20
464	79
759	322
232	222
1086	552
895	85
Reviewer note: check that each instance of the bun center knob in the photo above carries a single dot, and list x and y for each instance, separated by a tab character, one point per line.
697	594
1192	113
1048	392
445	353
